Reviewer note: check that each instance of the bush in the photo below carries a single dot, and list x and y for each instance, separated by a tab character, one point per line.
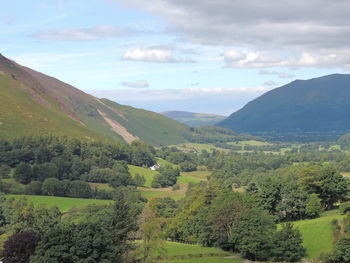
139	180
23	173
344	208
34	188
20	247
167	177
313	206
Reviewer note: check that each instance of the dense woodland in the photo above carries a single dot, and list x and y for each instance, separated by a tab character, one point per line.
247	204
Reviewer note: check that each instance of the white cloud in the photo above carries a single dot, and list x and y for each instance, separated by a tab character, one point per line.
82	34
299	33
265	59
270	83
160	54
138	84
282	75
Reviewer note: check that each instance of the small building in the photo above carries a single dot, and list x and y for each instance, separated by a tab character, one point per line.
155	167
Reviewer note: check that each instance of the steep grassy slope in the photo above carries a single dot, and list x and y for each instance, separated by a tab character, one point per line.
149	126
22	113
194	119
320	105
33	103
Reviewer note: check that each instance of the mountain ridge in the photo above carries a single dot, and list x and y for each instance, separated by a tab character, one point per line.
318	105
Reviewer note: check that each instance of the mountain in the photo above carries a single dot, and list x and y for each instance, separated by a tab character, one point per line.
312	109
194	119
34	103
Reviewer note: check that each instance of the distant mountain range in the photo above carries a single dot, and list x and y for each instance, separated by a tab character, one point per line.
311	109
34	103
194	119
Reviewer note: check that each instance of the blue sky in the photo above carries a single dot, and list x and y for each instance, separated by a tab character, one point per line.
202	56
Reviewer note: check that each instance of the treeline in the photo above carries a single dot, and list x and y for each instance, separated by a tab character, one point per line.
62	166
215	134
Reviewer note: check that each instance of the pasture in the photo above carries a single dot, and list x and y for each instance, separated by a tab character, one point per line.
317	233
63	203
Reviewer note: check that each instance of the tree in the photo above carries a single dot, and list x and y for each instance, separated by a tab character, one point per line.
151	235
23	173
287	244
122	222
252	234
79	189
139	180
333	188
44	171
313	206
33	188
76	243
20	247
54	187
292	203
163	207
4	171
167	176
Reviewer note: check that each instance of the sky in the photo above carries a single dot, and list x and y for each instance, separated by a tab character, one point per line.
210	56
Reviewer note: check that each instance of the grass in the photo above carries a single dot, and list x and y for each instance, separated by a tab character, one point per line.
151	127
197	147
163	162
182	253
101	186
180	249
204	260
317	233
149	193
198	174
63	203
146	172
21	115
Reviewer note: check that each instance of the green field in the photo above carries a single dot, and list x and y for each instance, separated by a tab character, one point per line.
250	143
146	172
197	147
204	260
317	233
149	193
63	203
182	253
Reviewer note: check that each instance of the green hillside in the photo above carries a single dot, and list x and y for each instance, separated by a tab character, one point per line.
146	125
33	103
314	109
21	115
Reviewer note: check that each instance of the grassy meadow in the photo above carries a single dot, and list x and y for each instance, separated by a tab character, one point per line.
63	203
317	233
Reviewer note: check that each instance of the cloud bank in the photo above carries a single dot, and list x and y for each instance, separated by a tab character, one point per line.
140	84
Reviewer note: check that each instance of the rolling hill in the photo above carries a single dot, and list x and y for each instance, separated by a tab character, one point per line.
34	103
312	109
194	119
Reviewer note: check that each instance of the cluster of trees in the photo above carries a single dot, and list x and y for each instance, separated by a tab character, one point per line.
213	215
341	239
167	176
40	235
37	161
215	134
